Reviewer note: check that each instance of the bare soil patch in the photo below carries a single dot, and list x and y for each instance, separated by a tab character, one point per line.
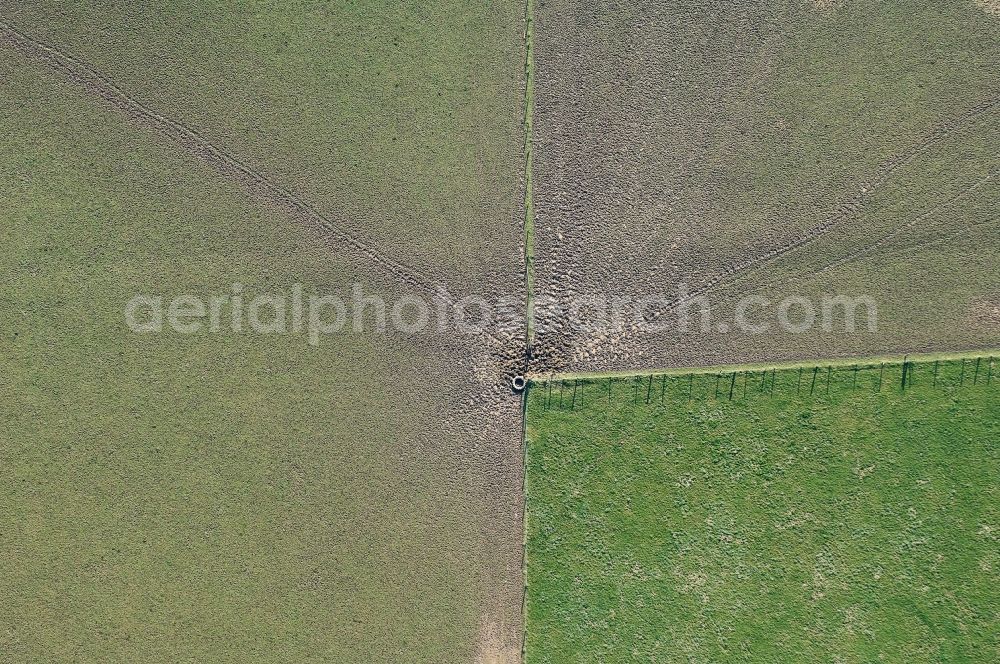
989	6
826	5
987	312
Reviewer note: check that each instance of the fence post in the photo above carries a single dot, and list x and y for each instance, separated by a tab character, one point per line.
572	404
989	374
975	378
663	386
732	384
562	386
773	374
649	388
812	387
744	384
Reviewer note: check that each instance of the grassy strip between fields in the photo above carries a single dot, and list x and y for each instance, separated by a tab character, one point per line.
799	514
898	358
529	253
529	212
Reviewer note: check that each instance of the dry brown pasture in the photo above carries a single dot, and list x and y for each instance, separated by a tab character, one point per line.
765	149
242	497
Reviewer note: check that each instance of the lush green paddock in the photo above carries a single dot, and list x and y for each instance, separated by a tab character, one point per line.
797	515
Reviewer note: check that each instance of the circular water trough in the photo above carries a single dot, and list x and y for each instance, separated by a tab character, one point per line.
518	383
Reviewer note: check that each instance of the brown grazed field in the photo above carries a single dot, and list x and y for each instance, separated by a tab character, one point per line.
234	497
766	150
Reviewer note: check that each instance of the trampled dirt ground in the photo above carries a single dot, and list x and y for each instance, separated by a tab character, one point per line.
766	149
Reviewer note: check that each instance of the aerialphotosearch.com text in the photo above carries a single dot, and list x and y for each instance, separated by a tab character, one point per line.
316	316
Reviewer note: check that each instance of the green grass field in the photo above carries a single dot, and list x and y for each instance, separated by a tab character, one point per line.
794	521
236	496
211	497
379	114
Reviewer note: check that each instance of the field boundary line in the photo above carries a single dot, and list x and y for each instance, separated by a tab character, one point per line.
529	207
891	358
529	297
258	184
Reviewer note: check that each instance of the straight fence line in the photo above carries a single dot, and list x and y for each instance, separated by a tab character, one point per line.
979	370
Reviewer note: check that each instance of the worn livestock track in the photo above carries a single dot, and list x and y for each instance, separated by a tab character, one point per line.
860	252
841	214
888	237
259	185
943	239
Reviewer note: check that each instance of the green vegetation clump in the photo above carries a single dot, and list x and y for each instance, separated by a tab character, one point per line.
803	515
